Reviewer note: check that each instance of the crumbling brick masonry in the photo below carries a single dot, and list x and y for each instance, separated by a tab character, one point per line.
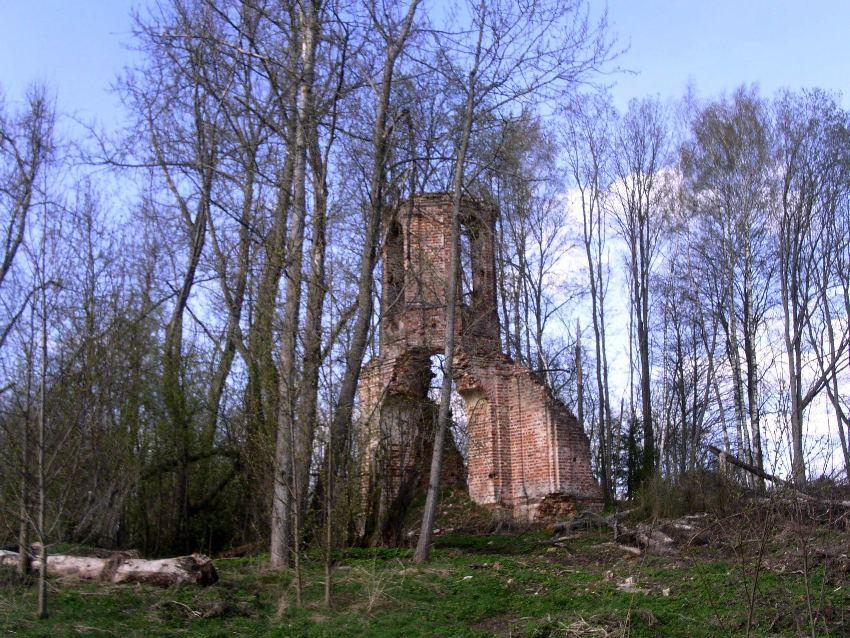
525	446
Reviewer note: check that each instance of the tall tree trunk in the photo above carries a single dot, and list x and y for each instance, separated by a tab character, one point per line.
316	290
632	462
24	528
789	241
752	370
173	389
262	370
832	387
592	236
308	31
344	405
40	464
642	314
423	545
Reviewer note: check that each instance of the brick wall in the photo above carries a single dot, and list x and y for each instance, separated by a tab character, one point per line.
525	446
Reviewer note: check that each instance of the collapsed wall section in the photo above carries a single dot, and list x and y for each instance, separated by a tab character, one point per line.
525	445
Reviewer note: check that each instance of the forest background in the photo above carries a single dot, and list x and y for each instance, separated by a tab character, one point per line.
189	279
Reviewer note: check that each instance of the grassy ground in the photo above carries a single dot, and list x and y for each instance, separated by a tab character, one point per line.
475	586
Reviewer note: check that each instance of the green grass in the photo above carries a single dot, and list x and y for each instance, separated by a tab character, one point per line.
474	586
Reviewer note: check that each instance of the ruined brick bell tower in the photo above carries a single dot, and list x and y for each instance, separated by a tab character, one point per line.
527	453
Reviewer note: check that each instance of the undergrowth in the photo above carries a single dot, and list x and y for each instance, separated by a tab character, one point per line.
476	585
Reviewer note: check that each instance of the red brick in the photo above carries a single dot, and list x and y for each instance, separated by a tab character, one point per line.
524	444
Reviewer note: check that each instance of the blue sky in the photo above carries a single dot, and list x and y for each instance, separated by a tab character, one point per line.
720	44
75	46
78	47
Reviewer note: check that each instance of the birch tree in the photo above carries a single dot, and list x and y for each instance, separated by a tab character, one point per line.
730	191
810	168
587	149
641	155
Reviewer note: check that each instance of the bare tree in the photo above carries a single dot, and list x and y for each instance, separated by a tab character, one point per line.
834	286
730	191
26	148
395	30
587	148
524	183
641	157
306	19
808	165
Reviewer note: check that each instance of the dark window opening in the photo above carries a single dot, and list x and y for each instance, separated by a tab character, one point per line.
394	268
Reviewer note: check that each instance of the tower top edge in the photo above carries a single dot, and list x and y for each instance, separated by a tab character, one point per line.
446	198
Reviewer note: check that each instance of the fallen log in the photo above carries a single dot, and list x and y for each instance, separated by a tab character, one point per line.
559	540
585	521
654	540
613	520
752	469
634	551
628	549
196	569
726	457
590	520
662	537
686	530
8	558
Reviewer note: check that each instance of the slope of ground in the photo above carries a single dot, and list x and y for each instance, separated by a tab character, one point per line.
486	585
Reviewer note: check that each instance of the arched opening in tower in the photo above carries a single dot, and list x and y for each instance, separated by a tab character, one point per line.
456	451
467	258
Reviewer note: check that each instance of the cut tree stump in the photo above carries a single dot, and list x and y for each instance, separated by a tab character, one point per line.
196	569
